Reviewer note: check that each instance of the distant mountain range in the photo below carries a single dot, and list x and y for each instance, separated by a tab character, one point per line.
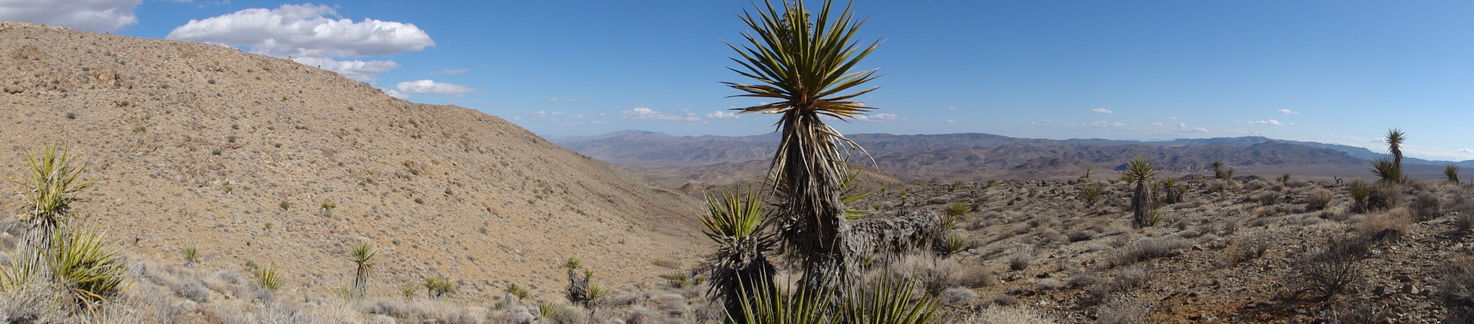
967	156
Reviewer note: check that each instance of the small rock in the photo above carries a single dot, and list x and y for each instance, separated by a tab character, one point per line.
1410	289
1382	291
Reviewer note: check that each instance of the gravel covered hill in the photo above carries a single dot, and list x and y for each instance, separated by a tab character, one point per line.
236	152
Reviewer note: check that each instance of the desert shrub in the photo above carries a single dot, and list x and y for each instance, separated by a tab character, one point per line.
1246	251
1123	311
1456	288
1050	283
1007	315
1391	224
1084	235
1332	267
1149	248
957	296
977	276
1464	222
1020	261
1383	196
1427	205
1124	280
1081	279
1317	199
191	288
567	314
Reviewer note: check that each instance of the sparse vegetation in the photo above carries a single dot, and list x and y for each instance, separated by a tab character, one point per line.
437	286
1091	195
362	255
1331	268
191	254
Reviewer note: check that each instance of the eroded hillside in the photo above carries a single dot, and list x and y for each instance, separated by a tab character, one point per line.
236	152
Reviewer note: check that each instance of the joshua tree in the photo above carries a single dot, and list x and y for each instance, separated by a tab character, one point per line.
1394	145
362	255
1452	172
735	222
1140	171
803	66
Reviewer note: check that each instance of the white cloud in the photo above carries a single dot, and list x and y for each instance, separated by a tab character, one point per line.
1180	128
395	93
881	117
302	30
642	113
1466	150
1101	111
431	87
949	121
1046	120
449	71
1287	111
357	70
565	100
1270	122
305	34
951	108
722	114
89	15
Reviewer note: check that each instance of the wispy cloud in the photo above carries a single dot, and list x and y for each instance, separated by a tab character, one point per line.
569	100
881	117
951	108
1270	122
1102	111
1288	112
431	87
1466	150
642	113
722	115
1180	128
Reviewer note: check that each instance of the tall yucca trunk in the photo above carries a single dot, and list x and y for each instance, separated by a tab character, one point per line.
816	225
1140	204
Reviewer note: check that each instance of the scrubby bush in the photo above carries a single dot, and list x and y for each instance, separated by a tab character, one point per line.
1317	199
1149	248
1331	268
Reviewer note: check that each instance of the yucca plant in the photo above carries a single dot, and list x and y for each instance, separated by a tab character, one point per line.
1388	171
1091	195
1394	140
954	213
887	301
804	64
1452	172
518	291
1284	179
268	277
1359	190
362	255
327	208
1171	192
1218	171
50	185
890	302
191	254
735	222
18	272
1139	171
83	263
437	286
953	243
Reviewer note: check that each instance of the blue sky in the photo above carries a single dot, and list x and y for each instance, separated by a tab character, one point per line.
1327	71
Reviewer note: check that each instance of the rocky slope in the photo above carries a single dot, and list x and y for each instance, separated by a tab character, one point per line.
236	152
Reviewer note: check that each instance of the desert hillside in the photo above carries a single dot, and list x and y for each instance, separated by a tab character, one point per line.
237	153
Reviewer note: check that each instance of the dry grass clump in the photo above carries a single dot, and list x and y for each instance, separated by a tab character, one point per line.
1149	248
1317	199
1391	224
420	310
1123	311
1245	251
1427	205
957	296
1124	280
1007	315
